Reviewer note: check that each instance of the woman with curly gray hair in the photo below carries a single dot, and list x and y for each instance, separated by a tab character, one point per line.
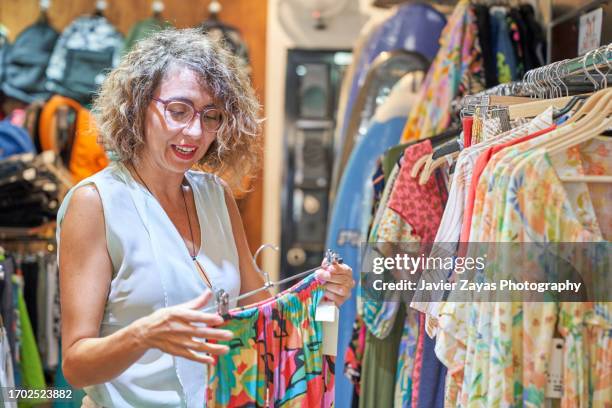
143	242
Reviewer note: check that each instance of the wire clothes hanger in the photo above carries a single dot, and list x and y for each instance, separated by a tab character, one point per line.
222	298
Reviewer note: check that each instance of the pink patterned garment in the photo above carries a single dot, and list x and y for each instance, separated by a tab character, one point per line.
420	206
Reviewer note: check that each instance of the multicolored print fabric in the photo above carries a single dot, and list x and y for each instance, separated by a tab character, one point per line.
276	357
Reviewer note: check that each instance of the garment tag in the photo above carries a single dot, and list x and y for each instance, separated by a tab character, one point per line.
554	386
327	313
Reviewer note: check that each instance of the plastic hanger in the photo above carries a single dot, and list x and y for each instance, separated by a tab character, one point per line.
604	122
419	164
431	166
581	121
598	122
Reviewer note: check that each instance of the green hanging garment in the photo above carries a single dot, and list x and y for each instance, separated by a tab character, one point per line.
32	376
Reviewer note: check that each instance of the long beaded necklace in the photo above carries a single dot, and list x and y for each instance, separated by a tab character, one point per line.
193	253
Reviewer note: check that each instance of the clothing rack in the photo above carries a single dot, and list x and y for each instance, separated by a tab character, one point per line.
561	78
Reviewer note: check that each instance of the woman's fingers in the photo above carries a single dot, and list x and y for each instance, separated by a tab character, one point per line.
340	290
204	332
343	276
185	342
215	334
195	316
190	354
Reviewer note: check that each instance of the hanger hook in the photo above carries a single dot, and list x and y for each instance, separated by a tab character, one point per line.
558	71
604	77
527	80
539	80
551	81
558	81
259	250
586	71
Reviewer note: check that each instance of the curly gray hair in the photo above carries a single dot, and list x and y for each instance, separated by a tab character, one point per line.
122	101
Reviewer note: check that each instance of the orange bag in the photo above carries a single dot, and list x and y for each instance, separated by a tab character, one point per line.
86	155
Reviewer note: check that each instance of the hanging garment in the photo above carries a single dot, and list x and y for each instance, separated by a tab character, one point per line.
535	180
7	377
401	221
516	192
502	46
535	34
486	44
380	362
353	358
529	58
7	308
413	27
371	26
32	376
152	269
517	45
458	208
433	376
479	166
425	220
349	216
456	69
276	357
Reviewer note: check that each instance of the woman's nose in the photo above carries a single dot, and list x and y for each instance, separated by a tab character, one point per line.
194	129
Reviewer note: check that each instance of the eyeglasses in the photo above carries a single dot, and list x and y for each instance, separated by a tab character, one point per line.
179	114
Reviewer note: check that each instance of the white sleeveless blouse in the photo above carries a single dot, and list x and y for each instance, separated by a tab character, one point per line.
152	269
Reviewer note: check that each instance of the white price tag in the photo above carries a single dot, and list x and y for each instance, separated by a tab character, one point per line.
554	386
589	31
327	312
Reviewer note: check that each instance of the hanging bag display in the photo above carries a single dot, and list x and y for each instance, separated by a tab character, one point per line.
26	63
85	155
87	48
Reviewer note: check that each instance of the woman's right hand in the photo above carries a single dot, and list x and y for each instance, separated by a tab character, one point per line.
173	329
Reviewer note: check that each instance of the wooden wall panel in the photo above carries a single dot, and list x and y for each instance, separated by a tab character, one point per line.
249	16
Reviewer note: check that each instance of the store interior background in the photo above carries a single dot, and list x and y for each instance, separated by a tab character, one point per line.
271	29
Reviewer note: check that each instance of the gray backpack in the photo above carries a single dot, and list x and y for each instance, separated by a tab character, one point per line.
87	49
25	63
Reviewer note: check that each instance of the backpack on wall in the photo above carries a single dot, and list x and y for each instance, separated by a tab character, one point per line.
25	63
4	45
84	52
80	151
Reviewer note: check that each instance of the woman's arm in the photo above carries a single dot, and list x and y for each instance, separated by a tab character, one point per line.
85	278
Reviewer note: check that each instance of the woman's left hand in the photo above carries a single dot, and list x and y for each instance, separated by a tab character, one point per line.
338	280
